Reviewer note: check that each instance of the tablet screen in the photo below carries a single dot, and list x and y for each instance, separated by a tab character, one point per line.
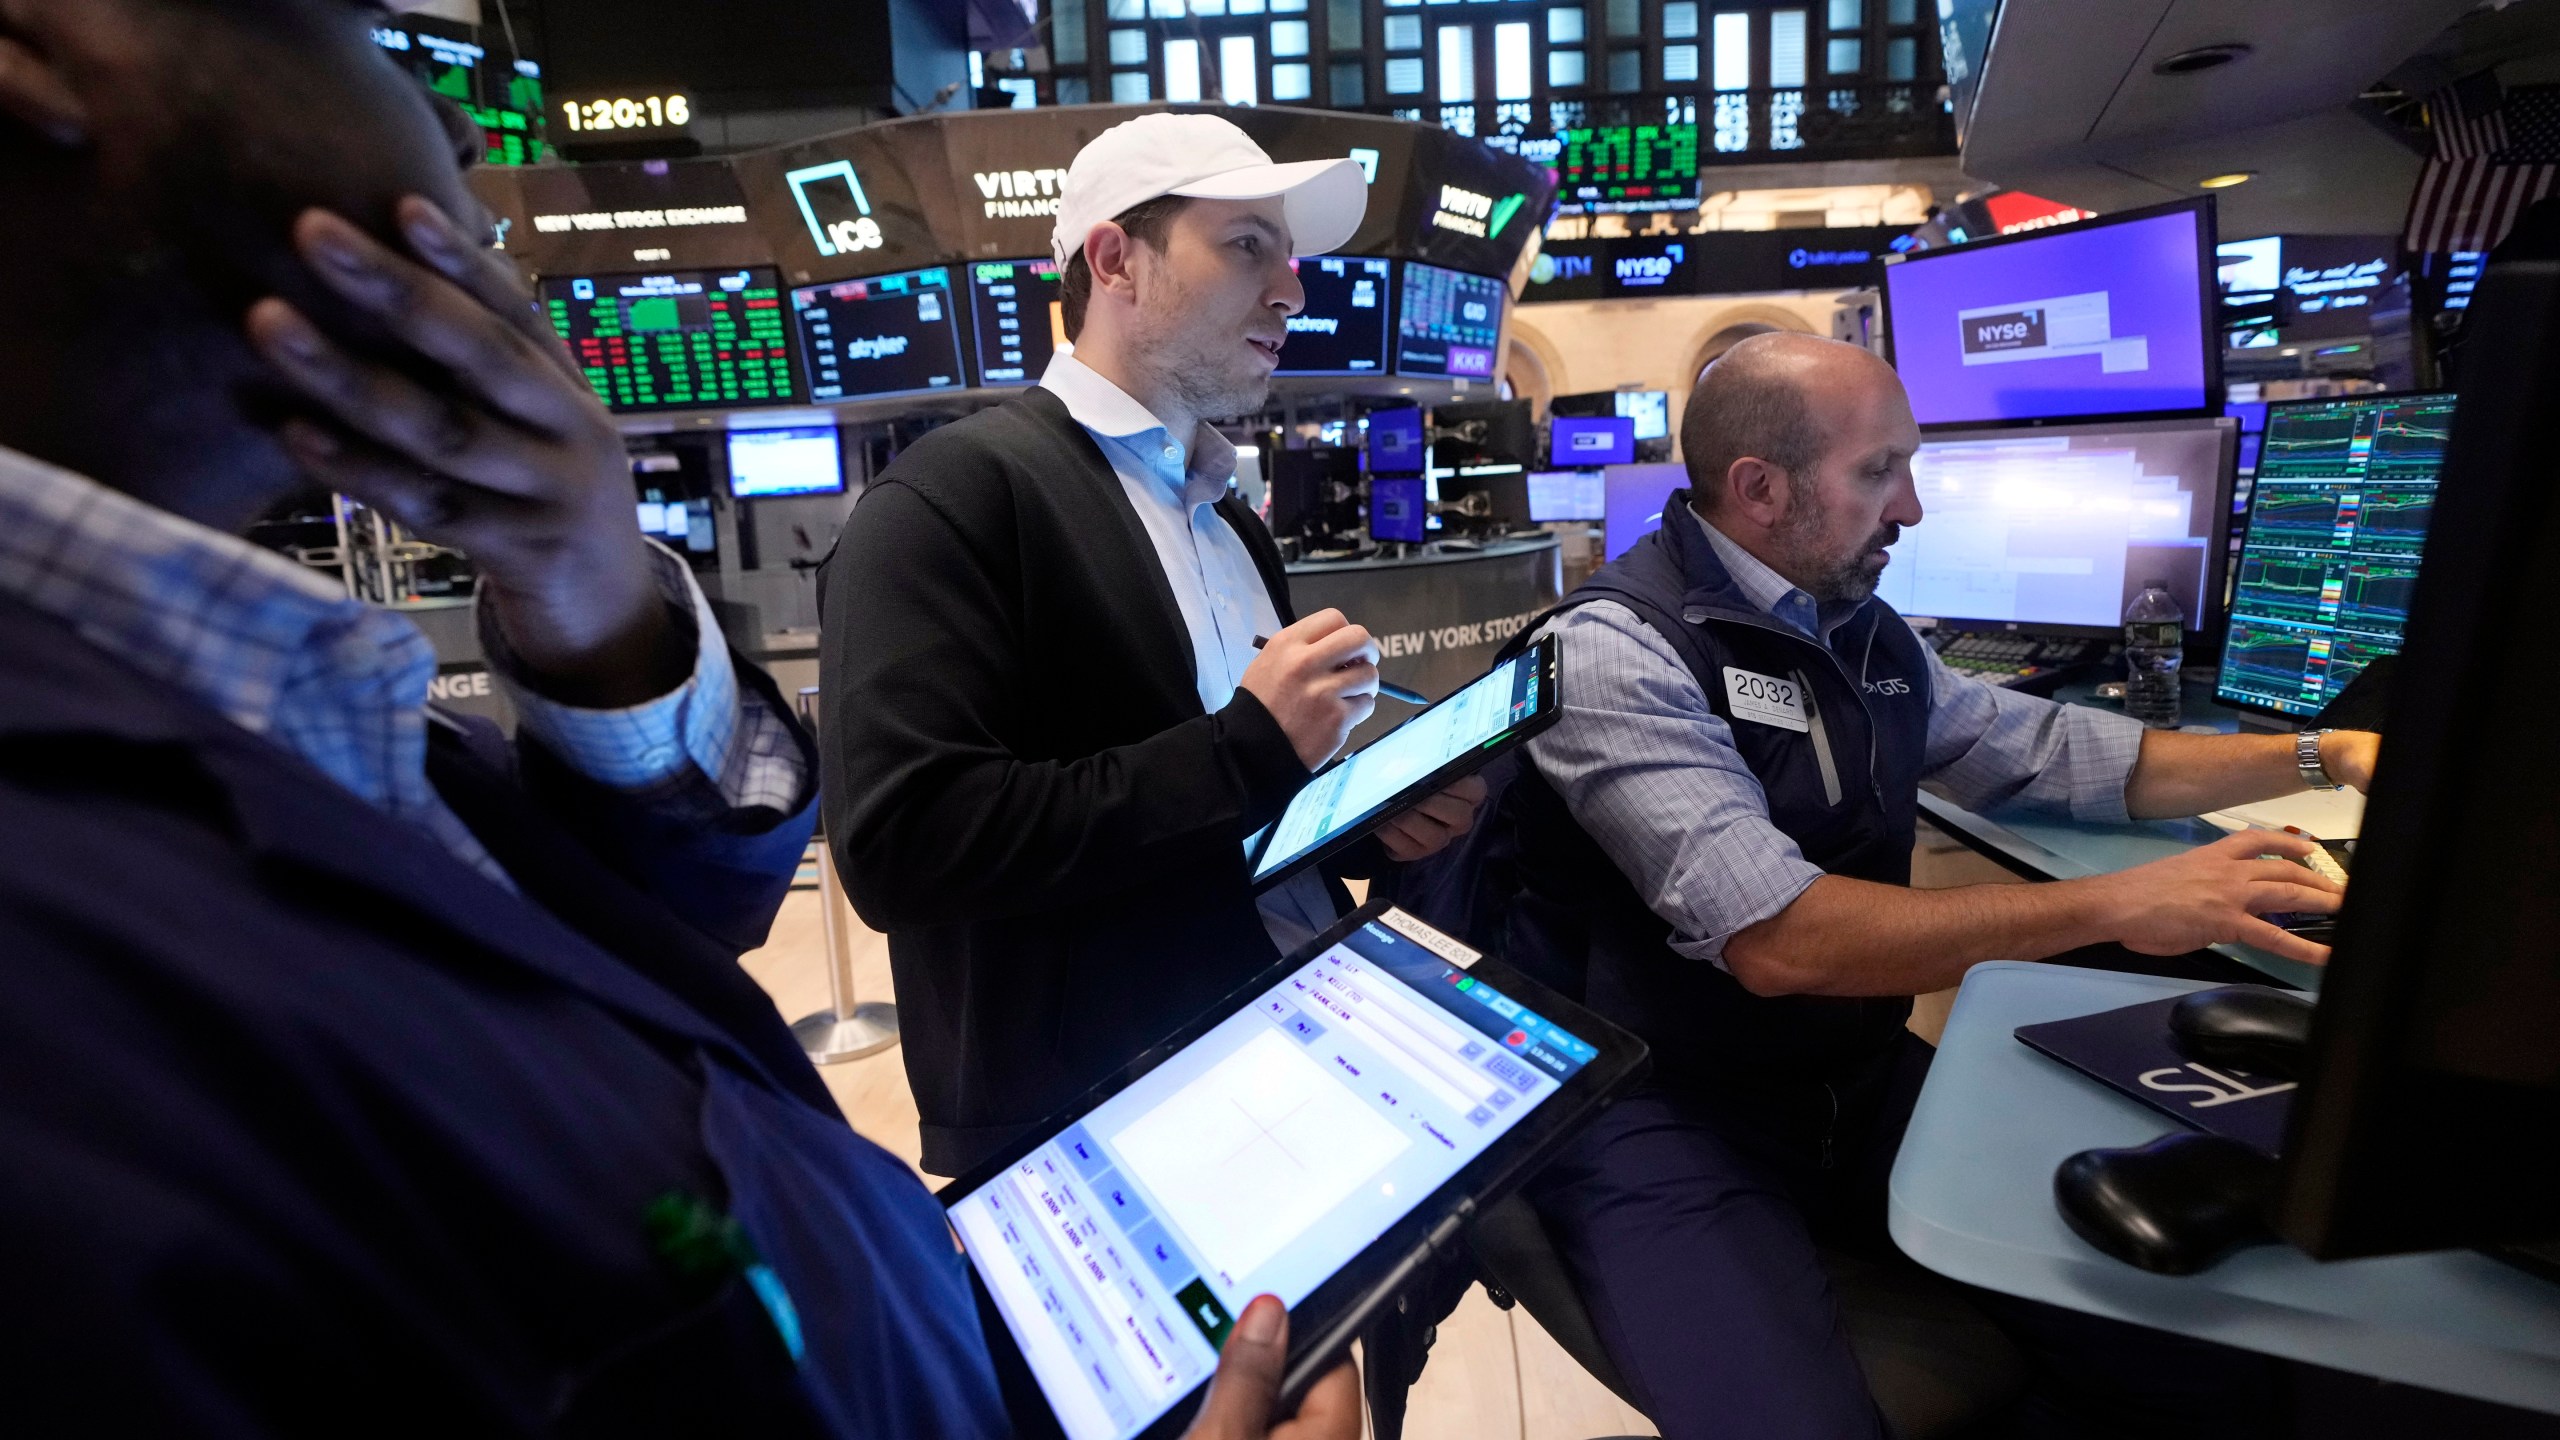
1344	796
1261	1158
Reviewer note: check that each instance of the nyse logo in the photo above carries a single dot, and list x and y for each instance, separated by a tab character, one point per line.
2014	330
824	193
1888	687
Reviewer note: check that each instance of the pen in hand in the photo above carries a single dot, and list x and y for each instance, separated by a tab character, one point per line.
1385	687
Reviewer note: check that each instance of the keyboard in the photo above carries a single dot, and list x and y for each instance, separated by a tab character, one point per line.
2008	657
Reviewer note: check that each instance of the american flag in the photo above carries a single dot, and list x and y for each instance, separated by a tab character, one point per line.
2496	153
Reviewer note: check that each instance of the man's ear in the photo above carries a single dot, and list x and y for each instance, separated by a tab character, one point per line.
1108	251
33	90
1756	488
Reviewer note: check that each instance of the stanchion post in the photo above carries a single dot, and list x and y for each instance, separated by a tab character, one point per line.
846	1029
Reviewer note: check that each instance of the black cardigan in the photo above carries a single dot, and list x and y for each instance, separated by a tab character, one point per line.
1021	788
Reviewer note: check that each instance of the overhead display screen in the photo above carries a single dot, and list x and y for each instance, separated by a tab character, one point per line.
1343	329
1014	304
1603	165
1450	324
804	461
504	98
678	340
2105	317
887	335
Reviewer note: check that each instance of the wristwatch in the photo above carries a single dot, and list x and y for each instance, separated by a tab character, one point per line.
2306	758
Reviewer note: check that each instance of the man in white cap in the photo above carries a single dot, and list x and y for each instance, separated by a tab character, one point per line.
1052	730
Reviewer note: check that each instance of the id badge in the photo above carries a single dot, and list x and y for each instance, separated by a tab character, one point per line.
1765	699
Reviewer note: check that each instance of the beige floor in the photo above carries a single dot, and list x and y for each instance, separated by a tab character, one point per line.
1493	1373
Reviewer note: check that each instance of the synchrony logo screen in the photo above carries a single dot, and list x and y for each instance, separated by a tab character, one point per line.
2107	320
1259	1160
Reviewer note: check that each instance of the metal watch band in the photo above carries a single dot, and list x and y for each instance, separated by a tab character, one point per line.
2306	758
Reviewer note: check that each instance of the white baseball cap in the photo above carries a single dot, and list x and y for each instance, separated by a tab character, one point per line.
1206	158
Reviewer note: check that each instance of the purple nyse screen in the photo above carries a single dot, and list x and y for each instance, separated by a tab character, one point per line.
2107	320
1581	443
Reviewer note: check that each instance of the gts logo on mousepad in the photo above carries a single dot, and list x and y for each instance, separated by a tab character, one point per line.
2130	1051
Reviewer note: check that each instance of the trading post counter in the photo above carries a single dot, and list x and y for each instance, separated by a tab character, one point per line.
1439	615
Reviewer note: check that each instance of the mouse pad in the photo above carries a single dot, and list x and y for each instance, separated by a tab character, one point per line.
2130	1052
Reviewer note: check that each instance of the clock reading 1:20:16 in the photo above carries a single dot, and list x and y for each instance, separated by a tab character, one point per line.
653	112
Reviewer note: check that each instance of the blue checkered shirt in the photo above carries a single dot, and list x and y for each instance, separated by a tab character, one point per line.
1655	778
282	651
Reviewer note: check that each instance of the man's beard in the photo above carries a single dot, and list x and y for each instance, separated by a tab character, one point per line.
1208	389
1828	578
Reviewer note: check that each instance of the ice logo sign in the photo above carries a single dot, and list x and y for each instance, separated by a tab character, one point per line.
2053	329
825	192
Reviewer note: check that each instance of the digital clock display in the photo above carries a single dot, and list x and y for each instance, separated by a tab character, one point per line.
628	112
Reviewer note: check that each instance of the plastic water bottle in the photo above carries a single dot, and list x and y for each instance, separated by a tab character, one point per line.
2154	646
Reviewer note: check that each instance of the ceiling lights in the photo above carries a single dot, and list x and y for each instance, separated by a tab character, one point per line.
2203	57
2225	182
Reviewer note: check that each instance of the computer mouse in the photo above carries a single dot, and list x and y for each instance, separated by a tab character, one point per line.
2252	1027
2174	1206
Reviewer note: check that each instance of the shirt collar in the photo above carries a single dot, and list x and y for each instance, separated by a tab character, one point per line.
207	613
1772	592
1111	413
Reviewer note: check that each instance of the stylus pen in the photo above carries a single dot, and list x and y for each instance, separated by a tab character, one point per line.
1390	690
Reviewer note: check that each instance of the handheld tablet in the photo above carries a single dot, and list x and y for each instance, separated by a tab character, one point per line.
1425	755
1316	1137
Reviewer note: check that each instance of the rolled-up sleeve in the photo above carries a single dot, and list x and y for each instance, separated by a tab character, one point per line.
1653	775
710	747
1990	746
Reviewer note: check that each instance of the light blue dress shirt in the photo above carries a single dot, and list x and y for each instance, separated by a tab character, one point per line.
283	652
1653	774
1175	486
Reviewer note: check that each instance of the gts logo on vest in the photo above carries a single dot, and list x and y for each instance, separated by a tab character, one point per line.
1888	687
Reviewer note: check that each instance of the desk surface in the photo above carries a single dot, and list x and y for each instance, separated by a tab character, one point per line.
1972	1198
2046	847
1429	555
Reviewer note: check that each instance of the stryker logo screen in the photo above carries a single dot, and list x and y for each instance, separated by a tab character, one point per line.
888	335
2105	317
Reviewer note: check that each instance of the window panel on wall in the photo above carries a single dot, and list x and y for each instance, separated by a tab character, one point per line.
1846	57
1564	25
1239	71
1125	9
1901	59
1404	77
1182	71
1288	7
1511	61
1128	47
1564	69
1848	14
1208	7
1786	49
1624	17
1348	84
1679	64
1457	64
1733	48
1129	87
1626	71
1244	7
1404	32
1074	90
1164	9
1902	12
1342	26
1288	37
1292	82
1066	32
1680	20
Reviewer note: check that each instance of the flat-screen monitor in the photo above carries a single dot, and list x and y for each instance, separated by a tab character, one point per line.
1450	325
1014	305
800	461
1395	442
1343	329
1565	495
2337	522
2432	1089
1649	409
2058	529
1635	500
887	335
1581	443
676	340
2113	316
1399	510
2252	415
